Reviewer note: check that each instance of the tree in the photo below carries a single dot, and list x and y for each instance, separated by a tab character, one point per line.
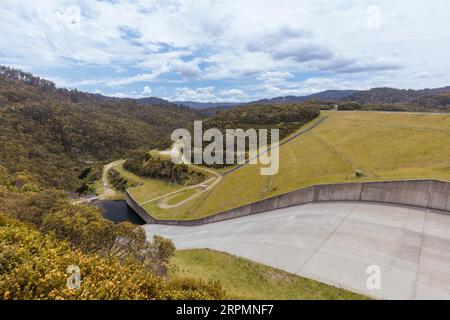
157	254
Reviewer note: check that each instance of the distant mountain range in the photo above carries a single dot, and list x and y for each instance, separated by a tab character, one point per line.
323	96
439	97
374	96
425	97
206	105
154	101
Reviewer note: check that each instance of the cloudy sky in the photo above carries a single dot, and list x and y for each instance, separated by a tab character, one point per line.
228	50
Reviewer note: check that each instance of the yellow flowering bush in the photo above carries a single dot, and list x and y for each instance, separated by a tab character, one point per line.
42	234
33	266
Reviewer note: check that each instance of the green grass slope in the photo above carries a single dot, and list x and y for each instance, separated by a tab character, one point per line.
384	146
148	188
245	279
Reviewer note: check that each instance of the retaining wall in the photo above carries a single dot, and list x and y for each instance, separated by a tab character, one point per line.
429	194
138	208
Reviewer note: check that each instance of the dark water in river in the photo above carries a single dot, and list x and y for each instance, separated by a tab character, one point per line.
119	211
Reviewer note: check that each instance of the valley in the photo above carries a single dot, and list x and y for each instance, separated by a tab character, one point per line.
223	156
57	163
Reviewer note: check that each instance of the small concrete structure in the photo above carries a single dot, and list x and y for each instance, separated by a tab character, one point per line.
335	242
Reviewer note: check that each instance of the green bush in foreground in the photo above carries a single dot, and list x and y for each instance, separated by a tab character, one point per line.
34	266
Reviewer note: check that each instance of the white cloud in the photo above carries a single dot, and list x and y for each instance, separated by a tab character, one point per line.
86	82
189	69
72	17
275	76
147	91
204	94
130	94
209	94
233	95
119	95
242	42
134	79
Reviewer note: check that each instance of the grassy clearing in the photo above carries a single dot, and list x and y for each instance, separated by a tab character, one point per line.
381	145
148	188
182	195
245	279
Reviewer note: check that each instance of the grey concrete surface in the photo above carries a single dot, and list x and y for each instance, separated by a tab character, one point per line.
335	242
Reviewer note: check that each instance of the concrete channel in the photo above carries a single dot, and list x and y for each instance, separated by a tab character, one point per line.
336	243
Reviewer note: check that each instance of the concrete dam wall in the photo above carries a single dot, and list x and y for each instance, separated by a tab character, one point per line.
428	194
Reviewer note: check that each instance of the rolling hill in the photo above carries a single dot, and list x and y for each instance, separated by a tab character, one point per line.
345	147
149	101
425	100
435	97
321	96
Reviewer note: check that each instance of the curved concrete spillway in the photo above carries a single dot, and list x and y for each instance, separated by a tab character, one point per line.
335	242
428	194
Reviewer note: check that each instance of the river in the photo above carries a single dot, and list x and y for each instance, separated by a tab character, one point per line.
119	211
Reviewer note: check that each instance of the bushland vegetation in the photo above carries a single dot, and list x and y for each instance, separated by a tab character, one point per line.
144	164
42	234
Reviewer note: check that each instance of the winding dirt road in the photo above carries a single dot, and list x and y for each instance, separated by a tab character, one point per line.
108	192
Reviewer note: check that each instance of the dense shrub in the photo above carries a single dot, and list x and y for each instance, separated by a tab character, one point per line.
120	183
350	106
144	164
263	115
84	227
196	289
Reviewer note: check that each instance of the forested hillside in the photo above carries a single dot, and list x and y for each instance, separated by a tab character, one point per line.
428	98
285	117
327	95
54	140
56	134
